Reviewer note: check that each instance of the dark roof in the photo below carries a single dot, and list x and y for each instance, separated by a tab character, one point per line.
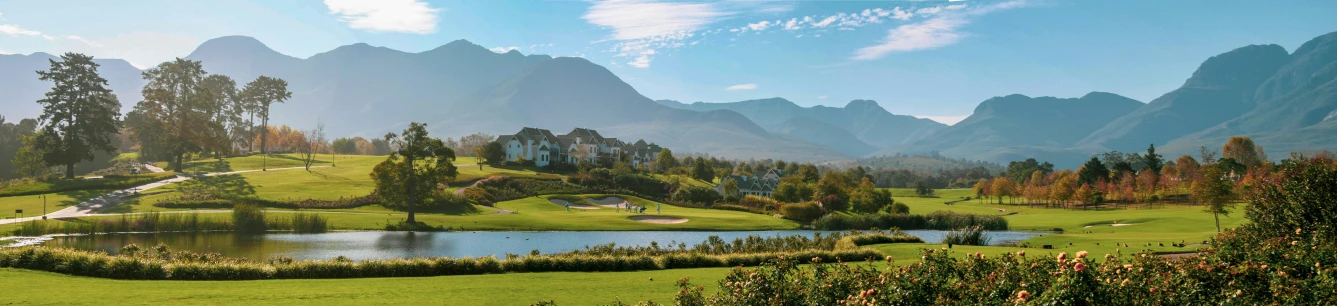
592	135
503	139
564	142
753	183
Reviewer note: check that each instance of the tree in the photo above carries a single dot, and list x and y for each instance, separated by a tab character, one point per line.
730	188
808	172
898	208
79	114
832	191
867	199
221	111
381	146
1001	186
1214	192
262	93
28	160
1242	149
665	160
792	189
981	189
344	146
168	119
11	141
491	153
923	190
414	169
701	170
314	140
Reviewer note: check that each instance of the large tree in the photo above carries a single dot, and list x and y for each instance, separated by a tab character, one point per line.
665	160
220	105
262	93
414	169
1214	192
79	114
1244	151
175	104
491	153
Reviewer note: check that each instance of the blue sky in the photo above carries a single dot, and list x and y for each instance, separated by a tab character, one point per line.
935	59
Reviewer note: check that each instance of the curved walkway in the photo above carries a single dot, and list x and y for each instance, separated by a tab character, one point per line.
117	197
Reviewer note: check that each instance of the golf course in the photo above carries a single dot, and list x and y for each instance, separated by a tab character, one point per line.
1124	231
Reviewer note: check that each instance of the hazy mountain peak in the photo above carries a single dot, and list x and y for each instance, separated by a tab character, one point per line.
1245	66
235	44
863	105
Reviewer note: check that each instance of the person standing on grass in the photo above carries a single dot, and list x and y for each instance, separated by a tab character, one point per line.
659	209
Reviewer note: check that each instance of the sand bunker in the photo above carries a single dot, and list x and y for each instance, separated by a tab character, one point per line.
1115	224
565	203
610	202
657	219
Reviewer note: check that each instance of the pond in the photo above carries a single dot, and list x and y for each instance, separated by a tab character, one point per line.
388	245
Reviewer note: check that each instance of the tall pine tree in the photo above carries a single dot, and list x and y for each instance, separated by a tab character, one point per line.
79	115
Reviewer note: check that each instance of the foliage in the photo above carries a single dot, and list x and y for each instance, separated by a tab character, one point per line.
1300	195
79	114
491	153
833	191
417	167
898	208
249	218
973	235
1092	172
759	202
867	200
792	189
696	195
1243	150
938	220
259	95
1214	193
803	212
28	162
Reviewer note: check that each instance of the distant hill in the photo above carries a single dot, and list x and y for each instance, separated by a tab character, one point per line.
20	89
932	162
1221	89
458	88
825	134
864	119
1008	127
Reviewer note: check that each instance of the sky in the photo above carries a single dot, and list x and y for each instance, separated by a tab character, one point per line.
931	59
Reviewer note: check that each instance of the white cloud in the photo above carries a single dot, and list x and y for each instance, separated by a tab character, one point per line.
15	31
828	21
643	26
792	24
6	52
641	19
760	25
742	87
898	14
504	49
948	120
406	16
941	30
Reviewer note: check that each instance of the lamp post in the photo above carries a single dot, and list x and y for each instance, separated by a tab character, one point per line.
43	206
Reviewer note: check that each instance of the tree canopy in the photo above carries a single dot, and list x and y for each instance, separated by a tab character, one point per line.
415	169
79	114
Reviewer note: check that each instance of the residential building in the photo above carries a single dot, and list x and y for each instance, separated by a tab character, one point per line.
543	147
758	185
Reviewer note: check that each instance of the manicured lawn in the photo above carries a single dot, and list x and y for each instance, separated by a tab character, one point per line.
565	288
32	204
273	161
61	184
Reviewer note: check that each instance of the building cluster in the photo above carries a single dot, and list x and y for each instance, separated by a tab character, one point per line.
545	148
757	185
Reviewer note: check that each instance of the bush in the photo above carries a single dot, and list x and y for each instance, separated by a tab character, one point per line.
701	196
309	223
973	235
479	196
802	212
938	220
759	202
249	218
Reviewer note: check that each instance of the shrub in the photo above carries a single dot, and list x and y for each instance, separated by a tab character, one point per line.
759	202
695	195
145	222
938	220
973	235
249	218
479	196
309	223
803	212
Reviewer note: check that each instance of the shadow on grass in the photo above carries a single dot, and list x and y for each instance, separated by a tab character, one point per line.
297	159
78	196
454	210
231	185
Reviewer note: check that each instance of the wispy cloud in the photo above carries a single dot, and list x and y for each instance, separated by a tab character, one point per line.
16	31
942	29
405	16
742	87
504	49
642	26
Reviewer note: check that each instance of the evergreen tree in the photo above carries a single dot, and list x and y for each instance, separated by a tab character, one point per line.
1092	172
175	104
79	114
262	93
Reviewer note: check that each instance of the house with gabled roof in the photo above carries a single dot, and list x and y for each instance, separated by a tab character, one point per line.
544	148
758	185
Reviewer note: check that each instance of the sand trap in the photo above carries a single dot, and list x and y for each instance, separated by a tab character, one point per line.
565	203
1120	224
658	219
610	202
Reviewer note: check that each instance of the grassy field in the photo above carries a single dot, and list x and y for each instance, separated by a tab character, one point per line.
79	183
32	204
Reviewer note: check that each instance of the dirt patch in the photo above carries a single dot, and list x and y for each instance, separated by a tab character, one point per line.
567	203
658	219
610	202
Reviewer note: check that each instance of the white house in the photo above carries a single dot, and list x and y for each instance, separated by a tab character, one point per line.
763	185
544	148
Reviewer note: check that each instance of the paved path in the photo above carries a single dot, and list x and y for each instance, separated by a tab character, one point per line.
475	184
117	197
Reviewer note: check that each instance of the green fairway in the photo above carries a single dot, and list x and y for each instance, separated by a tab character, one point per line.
76	184
565	288
32	204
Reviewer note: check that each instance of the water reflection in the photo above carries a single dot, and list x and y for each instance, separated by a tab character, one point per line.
386	245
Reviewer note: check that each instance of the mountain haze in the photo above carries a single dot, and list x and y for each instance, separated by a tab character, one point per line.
864	119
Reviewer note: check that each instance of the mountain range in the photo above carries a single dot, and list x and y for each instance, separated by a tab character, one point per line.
1285	101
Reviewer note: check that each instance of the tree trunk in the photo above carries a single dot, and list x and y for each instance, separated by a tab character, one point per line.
1218	221
409	159
69	170
177	165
